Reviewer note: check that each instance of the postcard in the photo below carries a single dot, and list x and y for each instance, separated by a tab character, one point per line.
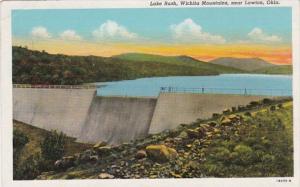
143	93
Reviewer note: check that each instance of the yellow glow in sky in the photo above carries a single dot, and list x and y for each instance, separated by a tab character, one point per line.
278	54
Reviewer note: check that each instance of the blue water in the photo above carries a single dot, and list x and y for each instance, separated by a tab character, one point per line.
249	84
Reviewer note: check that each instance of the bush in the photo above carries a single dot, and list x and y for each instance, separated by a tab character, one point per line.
53	146
29	169
245	154
19	141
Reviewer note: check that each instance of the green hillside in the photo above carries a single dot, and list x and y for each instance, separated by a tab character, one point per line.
40	67
246	64
178	60
279	69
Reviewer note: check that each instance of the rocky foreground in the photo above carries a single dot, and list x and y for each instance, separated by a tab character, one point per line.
245	141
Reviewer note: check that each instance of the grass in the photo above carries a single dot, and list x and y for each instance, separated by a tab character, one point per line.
36	136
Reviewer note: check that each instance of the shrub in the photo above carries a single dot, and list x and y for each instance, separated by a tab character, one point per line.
19	141
245	154
53	146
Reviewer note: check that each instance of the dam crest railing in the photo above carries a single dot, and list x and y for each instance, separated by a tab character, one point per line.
238	91
55	86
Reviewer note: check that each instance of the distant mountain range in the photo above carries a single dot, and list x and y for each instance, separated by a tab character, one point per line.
253	65
247	64
40	67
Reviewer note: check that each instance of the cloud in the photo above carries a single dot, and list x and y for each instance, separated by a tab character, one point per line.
111	30
40	32
257	34
69	35
190	32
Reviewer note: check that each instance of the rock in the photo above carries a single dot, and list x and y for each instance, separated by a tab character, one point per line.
233	109
105	176
217	131
94	158
192	133
280	105
241	108
141	154
100	144
272	108
86	155
65	162
216	115
183	135
103	151
267	101
173	174
254	103
234	118
161	153
197	143
226	111
226	121
212	123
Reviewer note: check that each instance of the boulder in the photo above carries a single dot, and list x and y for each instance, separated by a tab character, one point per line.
65	162
192	133
254	103
161	153
233	109
241	108
103	151
267	101
226	121
183	135
272	108
216	115
105	176
141	154
280	105
226	111
100	144
234	118
212	123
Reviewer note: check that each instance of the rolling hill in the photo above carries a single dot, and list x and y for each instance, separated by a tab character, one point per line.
177	60
40	67
246	64
279	69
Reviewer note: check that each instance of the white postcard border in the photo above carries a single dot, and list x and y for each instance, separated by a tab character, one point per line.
6	101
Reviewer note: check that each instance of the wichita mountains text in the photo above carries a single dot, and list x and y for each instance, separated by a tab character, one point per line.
212	3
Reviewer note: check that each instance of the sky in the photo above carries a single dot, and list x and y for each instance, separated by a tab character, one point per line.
205	33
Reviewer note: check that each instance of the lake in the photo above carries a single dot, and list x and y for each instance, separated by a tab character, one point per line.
248	84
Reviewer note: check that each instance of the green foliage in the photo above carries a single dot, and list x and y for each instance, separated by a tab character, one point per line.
28	169
19	141
264	148
35	67
280	69
53	146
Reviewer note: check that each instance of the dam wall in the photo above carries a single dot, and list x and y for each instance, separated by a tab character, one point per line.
81	114
173	109
53	109
117	119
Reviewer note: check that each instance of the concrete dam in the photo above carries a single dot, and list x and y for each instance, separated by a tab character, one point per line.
81	114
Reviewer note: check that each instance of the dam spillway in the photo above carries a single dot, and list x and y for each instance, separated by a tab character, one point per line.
81	114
